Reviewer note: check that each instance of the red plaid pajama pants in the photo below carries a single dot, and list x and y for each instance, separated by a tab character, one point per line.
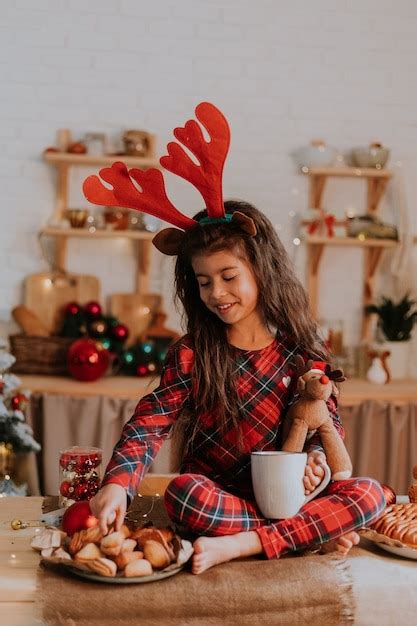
204	508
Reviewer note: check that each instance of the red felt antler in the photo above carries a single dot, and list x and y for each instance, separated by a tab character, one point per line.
207	176
152	199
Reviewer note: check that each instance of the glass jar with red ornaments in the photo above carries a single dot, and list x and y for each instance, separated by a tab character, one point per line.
79	474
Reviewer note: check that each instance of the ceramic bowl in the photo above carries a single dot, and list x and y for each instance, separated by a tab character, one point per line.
315	156
371	156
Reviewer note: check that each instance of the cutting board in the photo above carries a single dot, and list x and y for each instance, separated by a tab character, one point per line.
135	310
47	293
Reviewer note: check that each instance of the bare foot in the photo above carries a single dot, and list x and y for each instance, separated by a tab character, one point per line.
209	551
342	544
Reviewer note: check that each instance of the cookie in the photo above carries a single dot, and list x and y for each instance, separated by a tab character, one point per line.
141	567
399	521
103	567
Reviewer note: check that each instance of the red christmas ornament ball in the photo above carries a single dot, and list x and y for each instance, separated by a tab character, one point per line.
65	488
78	517
390	495
142	370
87	360
93	309
72	308
120	332
19	402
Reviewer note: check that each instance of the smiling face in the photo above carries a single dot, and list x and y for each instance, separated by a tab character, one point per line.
227	286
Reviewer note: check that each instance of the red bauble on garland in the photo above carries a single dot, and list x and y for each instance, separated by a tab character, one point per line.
87	360
78	517
72	308
93	309
120	332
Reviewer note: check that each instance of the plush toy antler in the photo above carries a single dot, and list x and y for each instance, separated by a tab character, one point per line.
151	198
310	413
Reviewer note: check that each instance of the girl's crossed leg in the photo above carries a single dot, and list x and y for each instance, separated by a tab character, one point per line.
232	527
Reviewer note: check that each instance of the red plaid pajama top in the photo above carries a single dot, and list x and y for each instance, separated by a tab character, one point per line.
266	384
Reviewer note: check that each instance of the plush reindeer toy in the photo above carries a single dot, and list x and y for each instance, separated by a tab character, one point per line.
310	413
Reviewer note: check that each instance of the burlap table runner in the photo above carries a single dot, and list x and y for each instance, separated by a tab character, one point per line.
296	590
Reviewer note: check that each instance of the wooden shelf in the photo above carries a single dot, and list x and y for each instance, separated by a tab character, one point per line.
63	161
376	181
65	158
138	235
350	241
349	172
373	249
132	387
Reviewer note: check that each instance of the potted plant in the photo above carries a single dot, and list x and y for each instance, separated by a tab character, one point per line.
16	436
395	323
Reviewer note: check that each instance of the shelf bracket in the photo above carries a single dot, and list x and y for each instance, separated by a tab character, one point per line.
371	262
317	183
144	262
314	255
61	253
61	192
376	189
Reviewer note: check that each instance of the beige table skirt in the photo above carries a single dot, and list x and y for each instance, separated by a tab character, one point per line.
381	436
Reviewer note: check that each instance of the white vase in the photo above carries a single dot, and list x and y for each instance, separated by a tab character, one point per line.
376	373
399	359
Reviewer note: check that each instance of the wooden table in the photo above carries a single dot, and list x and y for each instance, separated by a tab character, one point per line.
383	585
19	562
18	572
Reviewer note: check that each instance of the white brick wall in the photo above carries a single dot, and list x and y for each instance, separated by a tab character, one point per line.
282	72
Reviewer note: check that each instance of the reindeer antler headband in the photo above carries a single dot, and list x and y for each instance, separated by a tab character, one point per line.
152	197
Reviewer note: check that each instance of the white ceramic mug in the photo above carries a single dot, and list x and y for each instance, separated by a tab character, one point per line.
277	479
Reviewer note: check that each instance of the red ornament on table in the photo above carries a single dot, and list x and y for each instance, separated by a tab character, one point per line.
19	402
87	360
93	309
72	308
78	517
389	493
120	332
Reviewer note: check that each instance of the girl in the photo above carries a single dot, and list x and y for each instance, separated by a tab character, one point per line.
224	392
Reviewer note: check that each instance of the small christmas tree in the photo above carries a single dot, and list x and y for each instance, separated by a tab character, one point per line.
16	436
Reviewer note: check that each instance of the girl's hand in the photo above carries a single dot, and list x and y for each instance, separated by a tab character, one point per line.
109	504
314	472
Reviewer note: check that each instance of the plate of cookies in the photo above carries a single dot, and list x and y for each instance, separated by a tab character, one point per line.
396	530
124	556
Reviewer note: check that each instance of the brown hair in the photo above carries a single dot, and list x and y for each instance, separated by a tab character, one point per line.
283	303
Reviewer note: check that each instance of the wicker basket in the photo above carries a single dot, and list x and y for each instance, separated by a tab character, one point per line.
40	355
